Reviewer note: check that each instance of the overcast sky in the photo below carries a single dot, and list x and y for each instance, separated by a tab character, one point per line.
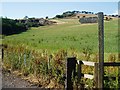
50	9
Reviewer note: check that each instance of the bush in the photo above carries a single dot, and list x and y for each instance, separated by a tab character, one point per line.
59	16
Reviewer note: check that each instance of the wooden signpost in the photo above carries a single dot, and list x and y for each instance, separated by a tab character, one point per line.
101	49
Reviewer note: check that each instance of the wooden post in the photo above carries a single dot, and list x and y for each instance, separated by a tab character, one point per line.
118	78
119	70
25	59
48	63
101	49
2	53
79	70
118	46
70	66
96	75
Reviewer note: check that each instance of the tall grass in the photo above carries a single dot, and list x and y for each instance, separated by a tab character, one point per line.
37	63
52	65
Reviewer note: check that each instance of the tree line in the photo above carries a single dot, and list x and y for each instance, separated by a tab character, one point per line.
10	26
72	13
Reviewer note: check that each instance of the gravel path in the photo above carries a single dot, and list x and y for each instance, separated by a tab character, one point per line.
11	81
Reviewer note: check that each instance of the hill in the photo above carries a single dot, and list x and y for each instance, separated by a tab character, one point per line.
70	35
78	14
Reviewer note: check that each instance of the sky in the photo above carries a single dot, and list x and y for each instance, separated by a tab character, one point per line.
60	0
42	9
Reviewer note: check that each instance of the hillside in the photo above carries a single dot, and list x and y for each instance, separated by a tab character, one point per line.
68	35
78	14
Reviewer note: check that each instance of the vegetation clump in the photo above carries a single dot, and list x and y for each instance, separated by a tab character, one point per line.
9	26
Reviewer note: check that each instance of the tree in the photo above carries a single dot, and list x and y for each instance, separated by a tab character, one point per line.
26	17
83	16
59	16
78	16
46	17
10	26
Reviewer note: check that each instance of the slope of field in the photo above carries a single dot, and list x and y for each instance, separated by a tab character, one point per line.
70	35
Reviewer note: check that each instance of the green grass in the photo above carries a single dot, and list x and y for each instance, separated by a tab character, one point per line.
69	36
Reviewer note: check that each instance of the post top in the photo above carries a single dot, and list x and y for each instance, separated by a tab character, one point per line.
100	12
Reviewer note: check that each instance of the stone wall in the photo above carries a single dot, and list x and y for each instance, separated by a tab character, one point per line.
88	20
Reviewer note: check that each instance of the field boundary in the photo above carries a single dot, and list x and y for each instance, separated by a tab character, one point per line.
74	68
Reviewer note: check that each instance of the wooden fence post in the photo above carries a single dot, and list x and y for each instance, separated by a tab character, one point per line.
70	67
48	63
2	53
118	78
119	45
101	49
25	59
96	75
118	70
79	70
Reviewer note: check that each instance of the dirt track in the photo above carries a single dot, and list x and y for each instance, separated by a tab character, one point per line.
9	80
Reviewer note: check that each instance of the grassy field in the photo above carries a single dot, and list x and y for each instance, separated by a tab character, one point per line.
24	52
69	35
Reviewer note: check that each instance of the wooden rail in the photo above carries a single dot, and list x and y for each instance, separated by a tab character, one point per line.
89	76
111	63
86	63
